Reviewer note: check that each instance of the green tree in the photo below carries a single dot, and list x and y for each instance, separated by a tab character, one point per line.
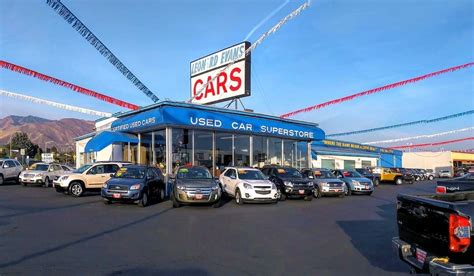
20	140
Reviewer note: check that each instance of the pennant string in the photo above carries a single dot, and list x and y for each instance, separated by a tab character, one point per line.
420	136
54	104
28	72
461	114
70	18
376	90
434	143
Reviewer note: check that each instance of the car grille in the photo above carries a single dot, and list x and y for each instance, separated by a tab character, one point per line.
300	185
201	191
262	187
28	175
263	192
115	187
335	184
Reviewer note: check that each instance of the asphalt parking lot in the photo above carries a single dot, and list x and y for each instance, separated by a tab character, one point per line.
44	232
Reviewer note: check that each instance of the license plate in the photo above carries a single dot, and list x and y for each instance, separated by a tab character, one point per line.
366	187
198	196
301	192
420	255
117	195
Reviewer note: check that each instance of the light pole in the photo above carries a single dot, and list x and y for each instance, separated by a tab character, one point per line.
11	136
46	147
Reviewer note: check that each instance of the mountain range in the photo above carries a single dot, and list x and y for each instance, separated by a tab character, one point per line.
61	132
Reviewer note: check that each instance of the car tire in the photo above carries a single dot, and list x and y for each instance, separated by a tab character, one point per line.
282	197
317	193
376	182
217	204
348	190
176	204
308	198
2	180
161	194
430	177
143	202
46	182
17	179
398	181
238	198
76	189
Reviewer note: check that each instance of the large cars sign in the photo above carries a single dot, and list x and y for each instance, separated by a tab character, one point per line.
232	83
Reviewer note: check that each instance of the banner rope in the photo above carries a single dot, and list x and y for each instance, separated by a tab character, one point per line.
376	90
70	18
470	112
434	143
420	136
54	104
29	72
256	43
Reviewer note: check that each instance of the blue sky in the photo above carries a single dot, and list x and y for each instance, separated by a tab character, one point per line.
333	49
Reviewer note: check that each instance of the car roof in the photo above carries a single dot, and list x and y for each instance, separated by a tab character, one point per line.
136	166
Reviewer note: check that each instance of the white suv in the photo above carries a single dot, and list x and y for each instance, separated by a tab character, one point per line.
248	185
10	169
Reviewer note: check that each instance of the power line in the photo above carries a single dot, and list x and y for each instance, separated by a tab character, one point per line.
70	18
376	90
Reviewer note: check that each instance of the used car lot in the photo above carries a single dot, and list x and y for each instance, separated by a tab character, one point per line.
83	236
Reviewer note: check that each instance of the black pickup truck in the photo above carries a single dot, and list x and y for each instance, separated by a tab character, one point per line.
459	184
436	233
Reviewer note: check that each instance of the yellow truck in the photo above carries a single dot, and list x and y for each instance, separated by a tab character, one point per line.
389	175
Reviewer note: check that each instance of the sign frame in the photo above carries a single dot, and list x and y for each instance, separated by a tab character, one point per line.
247	66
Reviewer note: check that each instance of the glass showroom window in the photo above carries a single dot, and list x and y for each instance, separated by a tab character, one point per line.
349	164
159	150
260	150
224	157
146	149
181	147
203	148
302	155
328	164
241	150
289	153
274	151
366	163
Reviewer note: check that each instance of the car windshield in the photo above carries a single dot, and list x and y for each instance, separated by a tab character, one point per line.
193	173
351	174
467	176
41	167
250	174
363	171
130	172
82	169
1	163
323	174
289	172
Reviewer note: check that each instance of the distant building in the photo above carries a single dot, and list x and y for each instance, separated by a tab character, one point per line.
438	160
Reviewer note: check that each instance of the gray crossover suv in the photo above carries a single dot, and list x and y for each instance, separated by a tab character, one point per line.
10	169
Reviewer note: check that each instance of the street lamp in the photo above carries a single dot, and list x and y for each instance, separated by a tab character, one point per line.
46	147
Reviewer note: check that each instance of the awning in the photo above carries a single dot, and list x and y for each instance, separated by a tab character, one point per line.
106	138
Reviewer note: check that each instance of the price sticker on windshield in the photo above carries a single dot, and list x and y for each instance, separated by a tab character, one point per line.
317	172
183	170
121	171
242	171
281	171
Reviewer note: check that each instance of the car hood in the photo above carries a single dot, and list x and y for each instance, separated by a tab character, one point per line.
34	172
257	182
298	180
124	181
360	179
196	182
320	180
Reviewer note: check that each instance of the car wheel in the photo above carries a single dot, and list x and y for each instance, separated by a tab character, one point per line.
161	194
308	198
399	181
176	204
317	193
143	202
17	179
46	182
1	179
348	191
282	197
238	198
431	177
76	189
376	182
217	204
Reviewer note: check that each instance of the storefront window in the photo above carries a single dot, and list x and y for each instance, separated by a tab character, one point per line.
349	164
302	155
328	164
289	153
159	157
241	150
145	149
223	151
203	148
366	163
274	151
181	147
259	151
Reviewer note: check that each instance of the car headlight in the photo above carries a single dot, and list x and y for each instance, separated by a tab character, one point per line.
104	186
355	182
325	184
64	178
274	186
135	187
181	187
247	186
40	175
288	183
215	187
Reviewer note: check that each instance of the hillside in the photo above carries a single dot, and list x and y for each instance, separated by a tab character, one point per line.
40	130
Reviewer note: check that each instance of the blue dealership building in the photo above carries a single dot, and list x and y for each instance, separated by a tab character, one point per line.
170	134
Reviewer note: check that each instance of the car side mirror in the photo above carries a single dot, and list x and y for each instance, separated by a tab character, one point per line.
233	177
112	175
310	177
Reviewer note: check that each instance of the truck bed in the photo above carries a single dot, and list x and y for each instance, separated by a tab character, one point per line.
423	222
